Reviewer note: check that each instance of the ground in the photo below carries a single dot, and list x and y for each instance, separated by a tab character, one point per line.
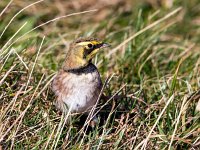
154	62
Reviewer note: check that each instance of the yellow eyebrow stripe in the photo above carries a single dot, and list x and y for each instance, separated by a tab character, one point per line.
90	42
95	42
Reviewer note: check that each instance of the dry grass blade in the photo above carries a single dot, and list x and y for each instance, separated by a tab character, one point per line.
94	112
143	30
62	123
9	108
104	127
17	15
20	117
154	67
144	142
5	8
20	58
55	19
91	114
47	84
14	35
34	62
50	138
4	59
7	73
177	122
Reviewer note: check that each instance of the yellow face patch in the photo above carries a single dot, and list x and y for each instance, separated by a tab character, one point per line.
90	48
92	54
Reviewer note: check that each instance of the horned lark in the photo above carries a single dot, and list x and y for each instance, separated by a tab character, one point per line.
78	84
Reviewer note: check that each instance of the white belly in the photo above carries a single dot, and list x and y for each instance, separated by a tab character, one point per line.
84	91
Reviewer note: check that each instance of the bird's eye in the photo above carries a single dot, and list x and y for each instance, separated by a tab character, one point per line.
90	46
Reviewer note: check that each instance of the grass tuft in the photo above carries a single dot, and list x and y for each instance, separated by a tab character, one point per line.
154	61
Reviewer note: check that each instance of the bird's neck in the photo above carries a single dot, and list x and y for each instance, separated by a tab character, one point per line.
76	66
72	62
90	68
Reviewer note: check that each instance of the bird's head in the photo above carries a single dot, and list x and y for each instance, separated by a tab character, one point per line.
82	51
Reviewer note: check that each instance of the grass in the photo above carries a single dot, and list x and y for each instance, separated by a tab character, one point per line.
154	61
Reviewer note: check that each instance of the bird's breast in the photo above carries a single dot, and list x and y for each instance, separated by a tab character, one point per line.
79	92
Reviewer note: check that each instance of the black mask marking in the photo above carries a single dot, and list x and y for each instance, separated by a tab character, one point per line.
91	48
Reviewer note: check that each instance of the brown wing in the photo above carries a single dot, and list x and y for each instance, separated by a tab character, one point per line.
57	84
60	90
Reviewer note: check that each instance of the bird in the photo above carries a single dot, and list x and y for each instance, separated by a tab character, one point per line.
77	85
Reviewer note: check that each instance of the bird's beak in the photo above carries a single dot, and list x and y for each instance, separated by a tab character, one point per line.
97	49
104	45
